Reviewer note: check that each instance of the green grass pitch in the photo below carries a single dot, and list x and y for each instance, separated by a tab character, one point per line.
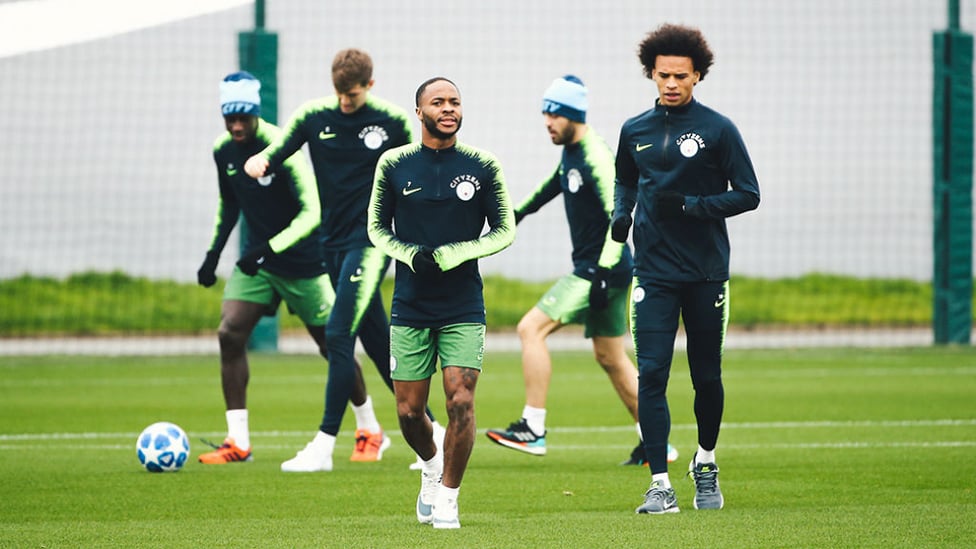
819	448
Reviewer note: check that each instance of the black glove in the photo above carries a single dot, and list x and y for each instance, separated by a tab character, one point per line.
207	273
600	289
669	204
251	261
519	217
620	226
423	263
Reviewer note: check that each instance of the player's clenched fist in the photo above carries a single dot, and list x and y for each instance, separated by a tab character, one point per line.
256	166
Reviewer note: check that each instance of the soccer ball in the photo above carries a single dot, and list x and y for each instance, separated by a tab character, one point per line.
162	447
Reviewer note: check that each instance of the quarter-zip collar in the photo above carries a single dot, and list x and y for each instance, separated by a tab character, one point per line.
674	110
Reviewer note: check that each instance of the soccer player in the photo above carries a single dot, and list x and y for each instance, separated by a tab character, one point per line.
429	205
346	134
686	168
595	293
281	259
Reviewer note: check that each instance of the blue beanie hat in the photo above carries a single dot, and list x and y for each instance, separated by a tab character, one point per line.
240	94
566	96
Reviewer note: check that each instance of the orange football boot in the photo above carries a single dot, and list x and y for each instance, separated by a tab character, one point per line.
225	453
369	445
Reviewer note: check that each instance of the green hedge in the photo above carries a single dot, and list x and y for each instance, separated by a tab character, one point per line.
118	304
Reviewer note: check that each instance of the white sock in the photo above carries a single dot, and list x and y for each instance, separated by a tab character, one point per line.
640	434
434	465
439	433
535	418
445	494
365	417
237	428
663	478
324	443
705	456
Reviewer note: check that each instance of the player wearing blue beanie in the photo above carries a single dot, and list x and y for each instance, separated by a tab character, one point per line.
566	97
595	293
240	93
281	261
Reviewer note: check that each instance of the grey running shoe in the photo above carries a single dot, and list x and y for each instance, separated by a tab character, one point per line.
658	500
707	493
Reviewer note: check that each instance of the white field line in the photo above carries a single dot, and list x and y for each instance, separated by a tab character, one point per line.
899	424
569	339
798	445
578	447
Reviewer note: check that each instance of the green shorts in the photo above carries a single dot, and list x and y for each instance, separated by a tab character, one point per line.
310	299
414	351
568	301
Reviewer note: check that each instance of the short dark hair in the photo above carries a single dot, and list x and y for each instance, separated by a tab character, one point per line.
679	40
428	82
351	67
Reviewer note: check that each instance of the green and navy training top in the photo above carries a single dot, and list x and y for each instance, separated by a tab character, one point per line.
343	149
440	199
699	153
585	178
281	208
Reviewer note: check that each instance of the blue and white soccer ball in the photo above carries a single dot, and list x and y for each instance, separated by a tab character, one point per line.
163	447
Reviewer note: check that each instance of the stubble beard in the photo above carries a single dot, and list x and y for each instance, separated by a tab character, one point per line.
430	124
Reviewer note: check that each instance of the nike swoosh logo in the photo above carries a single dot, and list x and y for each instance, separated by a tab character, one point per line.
640	147
231	172
408	192
720	301
355	278
323	136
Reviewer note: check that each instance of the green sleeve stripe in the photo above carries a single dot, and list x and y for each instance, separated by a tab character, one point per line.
394	111
372	272
310	215
601	161
501	221
311	106
218	217
288	141
379	218
224	220
267	131
541	195
391	109
222	140
306	192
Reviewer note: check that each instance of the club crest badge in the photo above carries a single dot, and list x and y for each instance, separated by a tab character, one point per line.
689	144
466	186
574	180
373	137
